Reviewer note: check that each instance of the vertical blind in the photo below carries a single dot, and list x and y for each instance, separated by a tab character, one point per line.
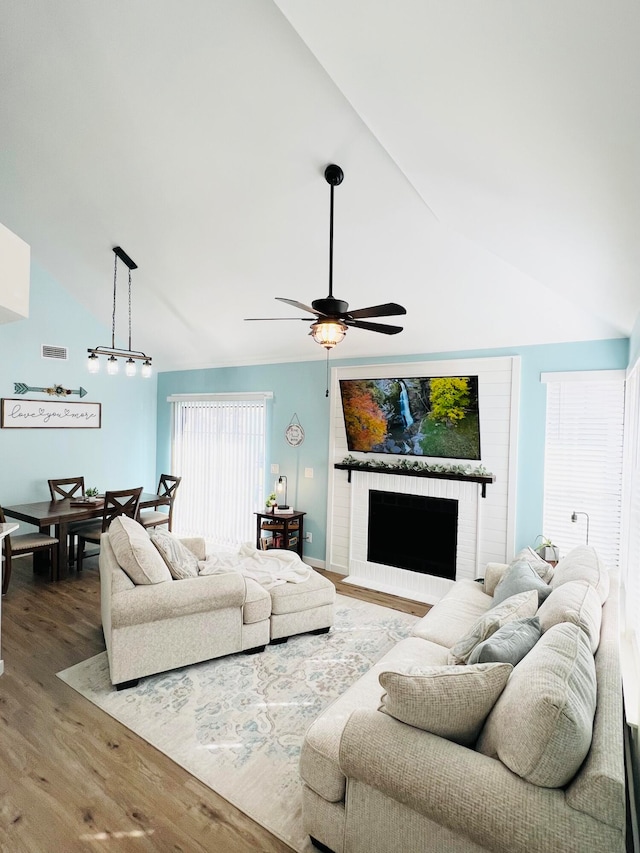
218	449
631	530
583	463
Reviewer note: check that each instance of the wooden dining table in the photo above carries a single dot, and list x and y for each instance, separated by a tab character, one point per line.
59	514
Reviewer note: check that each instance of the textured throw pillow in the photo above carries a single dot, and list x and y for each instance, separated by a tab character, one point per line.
509	644
181	561
544	570
542	724
450	701
520	577
517	607
583	564
576	602
135	553
493	574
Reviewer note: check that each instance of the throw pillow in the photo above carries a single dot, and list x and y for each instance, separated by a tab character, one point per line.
509	644
518	606
493	574
519	577
182	563
450	701
583	564
135	553
542	724
576	602
542	568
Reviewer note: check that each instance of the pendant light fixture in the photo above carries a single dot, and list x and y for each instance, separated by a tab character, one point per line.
131	356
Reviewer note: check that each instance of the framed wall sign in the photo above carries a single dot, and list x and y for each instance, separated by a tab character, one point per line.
294	433
49	414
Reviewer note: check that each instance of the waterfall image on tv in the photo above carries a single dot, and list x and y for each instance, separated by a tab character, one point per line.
426	416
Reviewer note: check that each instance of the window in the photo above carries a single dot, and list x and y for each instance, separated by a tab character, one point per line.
631	536
218	449
583	461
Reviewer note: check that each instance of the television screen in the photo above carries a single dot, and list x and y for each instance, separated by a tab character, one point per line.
426	416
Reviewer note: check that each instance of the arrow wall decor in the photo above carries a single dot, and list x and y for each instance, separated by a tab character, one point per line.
54	391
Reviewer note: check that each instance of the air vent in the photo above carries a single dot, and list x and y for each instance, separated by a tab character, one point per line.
58	353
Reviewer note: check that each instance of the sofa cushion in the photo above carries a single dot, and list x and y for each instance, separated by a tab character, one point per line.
583	564
454	614
509	644
257	603
520	577
181	562
135	553
450	701
577	602
541	726
516	607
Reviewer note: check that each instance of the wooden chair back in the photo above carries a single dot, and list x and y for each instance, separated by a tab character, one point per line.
123	502
26	543
167	488
67	488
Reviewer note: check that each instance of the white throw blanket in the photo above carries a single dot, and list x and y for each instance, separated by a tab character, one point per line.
268	568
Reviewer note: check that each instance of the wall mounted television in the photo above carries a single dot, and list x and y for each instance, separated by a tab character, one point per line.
417	416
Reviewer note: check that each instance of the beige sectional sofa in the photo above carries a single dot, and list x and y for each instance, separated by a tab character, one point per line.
543	773
159	613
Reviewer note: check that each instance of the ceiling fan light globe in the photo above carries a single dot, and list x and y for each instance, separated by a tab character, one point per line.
328	333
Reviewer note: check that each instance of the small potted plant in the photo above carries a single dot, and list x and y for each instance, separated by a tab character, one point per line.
92	494
546	549
271	501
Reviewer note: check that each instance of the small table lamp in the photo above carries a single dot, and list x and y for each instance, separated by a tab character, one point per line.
281	492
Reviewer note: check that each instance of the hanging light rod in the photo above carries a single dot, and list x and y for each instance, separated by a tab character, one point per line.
113	352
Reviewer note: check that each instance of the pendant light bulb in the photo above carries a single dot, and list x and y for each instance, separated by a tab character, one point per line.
112	365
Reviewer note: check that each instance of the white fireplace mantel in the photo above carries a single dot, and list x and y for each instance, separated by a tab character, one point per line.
403	582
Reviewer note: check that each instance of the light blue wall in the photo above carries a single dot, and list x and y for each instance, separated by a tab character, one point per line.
300	388
122	453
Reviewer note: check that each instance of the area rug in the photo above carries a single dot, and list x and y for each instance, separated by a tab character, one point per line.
238	721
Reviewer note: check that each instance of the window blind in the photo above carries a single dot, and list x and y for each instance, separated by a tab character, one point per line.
218	449
631	527
583	464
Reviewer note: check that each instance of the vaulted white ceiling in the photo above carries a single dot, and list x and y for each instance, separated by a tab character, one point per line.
490	151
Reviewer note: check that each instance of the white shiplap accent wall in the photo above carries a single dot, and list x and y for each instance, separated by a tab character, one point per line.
498	392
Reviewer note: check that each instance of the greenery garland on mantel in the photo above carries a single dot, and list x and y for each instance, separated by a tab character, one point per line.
415	468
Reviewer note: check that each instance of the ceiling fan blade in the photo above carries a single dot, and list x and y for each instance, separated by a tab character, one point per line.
389	309
299	305
304	319
373	327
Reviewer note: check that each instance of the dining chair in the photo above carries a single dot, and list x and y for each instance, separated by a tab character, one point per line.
123	502
167	488
27	543
69	487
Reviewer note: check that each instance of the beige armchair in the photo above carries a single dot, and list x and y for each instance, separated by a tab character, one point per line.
156	626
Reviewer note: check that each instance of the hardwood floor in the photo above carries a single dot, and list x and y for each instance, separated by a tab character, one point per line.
71	777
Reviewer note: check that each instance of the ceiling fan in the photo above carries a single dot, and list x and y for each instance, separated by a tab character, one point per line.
333	315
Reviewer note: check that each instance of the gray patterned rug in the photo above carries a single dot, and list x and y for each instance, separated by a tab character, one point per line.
234	722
